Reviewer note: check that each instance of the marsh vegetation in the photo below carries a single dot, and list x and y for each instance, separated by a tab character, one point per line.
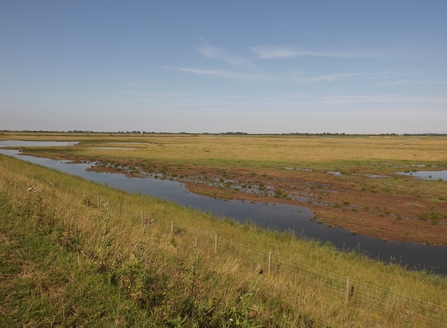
79	253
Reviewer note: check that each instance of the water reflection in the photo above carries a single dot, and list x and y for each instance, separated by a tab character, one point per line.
16	143
279	216
427	175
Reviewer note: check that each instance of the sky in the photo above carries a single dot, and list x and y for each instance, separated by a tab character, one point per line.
224	66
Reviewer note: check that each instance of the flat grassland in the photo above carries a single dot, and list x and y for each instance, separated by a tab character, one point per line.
347	181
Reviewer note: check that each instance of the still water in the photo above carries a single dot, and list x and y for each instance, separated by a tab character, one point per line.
273	216
427	175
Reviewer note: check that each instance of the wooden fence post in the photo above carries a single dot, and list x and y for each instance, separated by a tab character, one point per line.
99	201
270	263
142	217
172	229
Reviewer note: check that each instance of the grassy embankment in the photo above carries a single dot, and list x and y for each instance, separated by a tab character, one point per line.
67	261
393	207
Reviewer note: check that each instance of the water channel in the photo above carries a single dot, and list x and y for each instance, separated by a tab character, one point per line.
273	216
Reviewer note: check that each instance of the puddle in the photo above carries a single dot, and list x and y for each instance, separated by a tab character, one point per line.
297	169
301	169
427	175
15	143
272	216
376	176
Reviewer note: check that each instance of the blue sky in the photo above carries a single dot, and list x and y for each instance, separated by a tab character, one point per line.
218	66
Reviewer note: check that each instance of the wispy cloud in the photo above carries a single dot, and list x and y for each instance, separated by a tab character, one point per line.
212	72
271	52
151	94
274	52
382	99
408	82
227	74
330	77
277	79
220	54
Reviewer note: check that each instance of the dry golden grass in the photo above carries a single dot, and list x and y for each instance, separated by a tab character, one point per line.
268	149
306	150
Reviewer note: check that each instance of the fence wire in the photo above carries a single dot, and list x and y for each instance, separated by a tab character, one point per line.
381	300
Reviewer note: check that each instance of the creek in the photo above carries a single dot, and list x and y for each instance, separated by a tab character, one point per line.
414	256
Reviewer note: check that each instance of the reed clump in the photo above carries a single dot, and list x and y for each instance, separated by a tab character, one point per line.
161	264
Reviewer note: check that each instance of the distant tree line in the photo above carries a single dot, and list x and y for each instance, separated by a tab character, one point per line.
232	133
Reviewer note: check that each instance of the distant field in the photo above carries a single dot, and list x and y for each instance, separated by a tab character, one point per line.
281	168
306	150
